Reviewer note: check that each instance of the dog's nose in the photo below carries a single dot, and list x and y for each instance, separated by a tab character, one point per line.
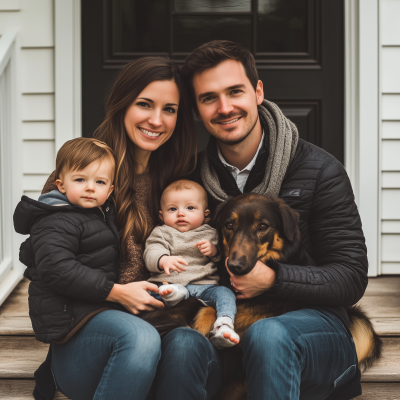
237	266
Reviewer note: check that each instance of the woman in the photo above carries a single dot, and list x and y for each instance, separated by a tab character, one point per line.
150	128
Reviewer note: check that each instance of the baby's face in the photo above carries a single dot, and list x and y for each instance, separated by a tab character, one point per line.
89	187
183	210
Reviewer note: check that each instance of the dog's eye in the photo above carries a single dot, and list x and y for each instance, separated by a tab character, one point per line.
229	225
262	227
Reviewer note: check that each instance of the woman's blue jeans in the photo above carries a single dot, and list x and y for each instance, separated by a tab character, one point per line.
305	354
113	356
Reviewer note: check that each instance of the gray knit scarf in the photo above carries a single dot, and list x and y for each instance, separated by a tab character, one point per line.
283	139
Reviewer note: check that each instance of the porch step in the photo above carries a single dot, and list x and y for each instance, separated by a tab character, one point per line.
11	326
20	356
380	391
387	369
21	389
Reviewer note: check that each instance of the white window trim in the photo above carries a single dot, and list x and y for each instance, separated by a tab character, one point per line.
362	110
68	88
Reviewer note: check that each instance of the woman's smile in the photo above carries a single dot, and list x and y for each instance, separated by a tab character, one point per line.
150	134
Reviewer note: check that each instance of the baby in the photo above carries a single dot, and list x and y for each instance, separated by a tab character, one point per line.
183	253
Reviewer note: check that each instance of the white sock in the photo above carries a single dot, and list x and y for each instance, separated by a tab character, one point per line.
222	325
179	292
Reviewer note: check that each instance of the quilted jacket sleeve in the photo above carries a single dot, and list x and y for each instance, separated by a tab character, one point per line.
55	243
340	275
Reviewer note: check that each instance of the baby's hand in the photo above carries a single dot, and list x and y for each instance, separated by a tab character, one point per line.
206	248
172	263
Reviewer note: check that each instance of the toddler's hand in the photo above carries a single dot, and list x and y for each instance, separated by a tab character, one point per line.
172	263
206	248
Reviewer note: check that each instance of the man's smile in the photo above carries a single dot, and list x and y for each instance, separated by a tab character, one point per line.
229	122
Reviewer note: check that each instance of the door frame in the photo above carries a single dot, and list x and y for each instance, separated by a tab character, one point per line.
362	103
67	65
362	118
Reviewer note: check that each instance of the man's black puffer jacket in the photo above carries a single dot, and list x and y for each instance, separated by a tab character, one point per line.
72	257
317	186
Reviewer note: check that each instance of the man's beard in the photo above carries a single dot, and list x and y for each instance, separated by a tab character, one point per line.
241	139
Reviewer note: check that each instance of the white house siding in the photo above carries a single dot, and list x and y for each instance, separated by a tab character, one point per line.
34	20
390	135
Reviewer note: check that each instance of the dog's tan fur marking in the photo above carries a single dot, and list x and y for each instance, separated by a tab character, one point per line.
278	243
204	320
262	250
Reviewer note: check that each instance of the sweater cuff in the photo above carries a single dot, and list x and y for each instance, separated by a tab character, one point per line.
106	290
153	259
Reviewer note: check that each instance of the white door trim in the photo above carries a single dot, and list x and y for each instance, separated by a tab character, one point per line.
362	136
68	88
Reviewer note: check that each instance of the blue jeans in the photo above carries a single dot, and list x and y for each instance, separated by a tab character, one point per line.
305	354
218	297
113	356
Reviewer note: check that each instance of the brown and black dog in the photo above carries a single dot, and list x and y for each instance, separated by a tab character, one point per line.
254	227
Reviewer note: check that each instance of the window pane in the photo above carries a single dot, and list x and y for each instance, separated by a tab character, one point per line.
282	26
140	26
212	5
191	32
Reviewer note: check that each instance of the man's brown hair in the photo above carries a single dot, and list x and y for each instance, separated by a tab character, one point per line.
77	154
213	53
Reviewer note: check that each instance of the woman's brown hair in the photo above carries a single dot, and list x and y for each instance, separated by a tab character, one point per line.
169	162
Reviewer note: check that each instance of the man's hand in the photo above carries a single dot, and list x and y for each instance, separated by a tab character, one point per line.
206	248
172	263
256	282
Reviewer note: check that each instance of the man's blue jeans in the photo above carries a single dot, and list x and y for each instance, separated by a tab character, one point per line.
305	354
113	356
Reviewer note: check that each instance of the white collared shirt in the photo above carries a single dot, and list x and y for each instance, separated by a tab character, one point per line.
241	175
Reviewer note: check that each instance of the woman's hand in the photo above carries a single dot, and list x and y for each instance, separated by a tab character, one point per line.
134	296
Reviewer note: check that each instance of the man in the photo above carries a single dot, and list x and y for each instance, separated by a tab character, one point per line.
306	354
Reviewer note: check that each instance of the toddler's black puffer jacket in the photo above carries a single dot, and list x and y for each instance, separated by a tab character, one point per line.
72	256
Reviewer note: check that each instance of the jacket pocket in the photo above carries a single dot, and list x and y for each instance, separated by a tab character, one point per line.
346	376
291	193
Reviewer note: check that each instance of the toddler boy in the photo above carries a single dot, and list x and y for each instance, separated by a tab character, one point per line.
73	250
183	253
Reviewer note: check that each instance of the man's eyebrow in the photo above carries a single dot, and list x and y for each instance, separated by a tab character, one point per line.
151	101
233	87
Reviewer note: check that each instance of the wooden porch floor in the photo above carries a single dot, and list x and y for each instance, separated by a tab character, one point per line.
21	354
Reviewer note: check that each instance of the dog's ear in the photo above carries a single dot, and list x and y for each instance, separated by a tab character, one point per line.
290	220
216	214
